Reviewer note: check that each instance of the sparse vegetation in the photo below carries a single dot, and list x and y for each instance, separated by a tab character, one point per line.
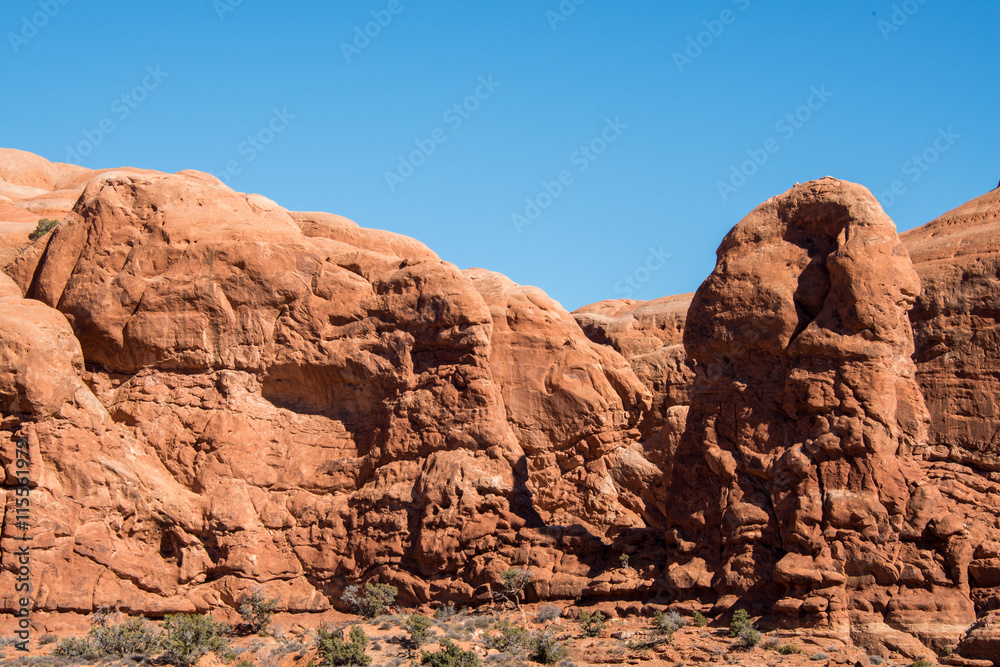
132	636
45	225
418	628
256	611
592	624
788	649
507	637
699	619
920	662
445	611
334	651
819	656
187	637
548	612
623	561
545	649
876	659
749	637
75	647
668	622
370	601
450	655
47	639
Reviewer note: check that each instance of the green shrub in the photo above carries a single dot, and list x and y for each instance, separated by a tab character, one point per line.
187	637
789	649
132	636
45	225
370	601
592	624
544	648
335	652
741	620
699	619
419	629
450	655
507	638
920	662
256	612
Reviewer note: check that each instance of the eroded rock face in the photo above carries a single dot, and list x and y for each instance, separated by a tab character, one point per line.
245	396
649	334
794	487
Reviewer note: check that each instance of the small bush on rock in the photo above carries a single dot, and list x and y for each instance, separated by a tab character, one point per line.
370	601
45	225
669	622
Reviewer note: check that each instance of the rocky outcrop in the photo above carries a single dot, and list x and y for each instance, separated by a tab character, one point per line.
253	396
795	487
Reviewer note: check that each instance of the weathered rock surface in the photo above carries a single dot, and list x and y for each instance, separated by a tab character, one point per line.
290	399
795	486
649	334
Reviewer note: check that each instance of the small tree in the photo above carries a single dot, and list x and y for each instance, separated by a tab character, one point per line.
256	611
335	652
187	637
592	624
741	620
370	601
450	655
514	580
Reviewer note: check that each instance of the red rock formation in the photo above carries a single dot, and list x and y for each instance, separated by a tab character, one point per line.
795	488
290	399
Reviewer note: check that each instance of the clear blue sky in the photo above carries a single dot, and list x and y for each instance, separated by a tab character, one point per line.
886	80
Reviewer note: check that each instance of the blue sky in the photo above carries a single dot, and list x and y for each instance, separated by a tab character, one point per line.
597	150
